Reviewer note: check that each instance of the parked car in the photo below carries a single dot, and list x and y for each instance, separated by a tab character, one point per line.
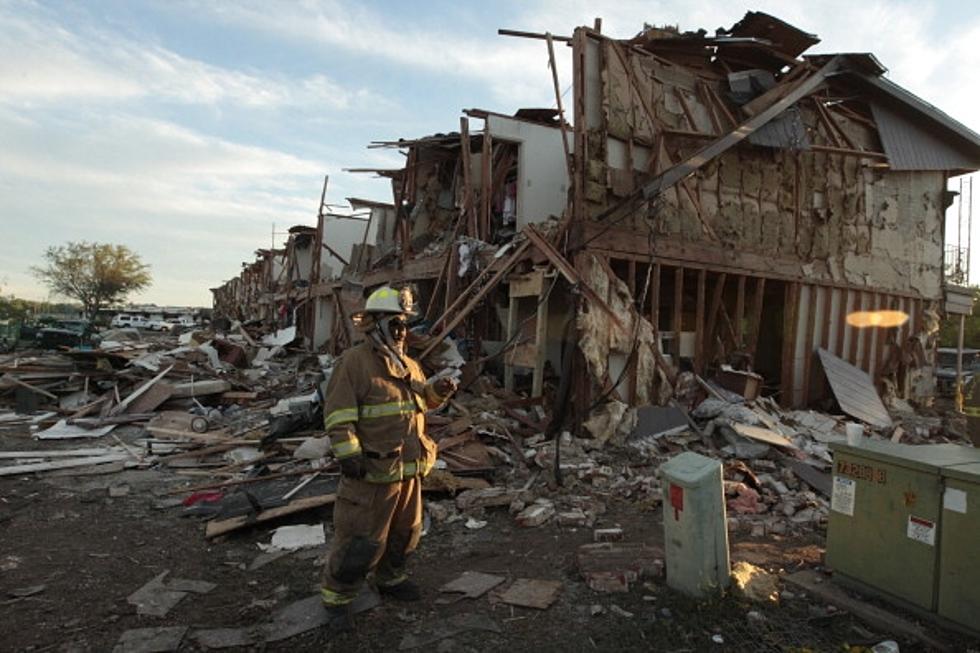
946	370
182	321
67	333
159	325
128	320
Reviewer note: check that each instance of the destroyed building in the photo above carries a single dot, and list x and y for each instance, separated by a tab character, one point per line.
707	203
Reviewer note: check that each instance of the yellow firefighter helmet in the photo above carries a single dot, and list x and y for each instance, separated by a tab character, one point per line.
390	301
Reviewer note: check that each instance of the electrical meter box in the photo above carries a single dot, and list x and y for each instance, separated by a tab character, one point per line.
959	549
885	526
695	527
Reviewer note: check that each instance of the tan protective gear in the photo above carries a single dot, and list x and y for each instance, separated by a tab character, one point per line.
375	410
369	408
376	528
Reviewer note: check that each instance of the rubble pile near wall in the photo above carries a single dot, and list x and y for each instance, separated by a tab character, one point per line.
236	418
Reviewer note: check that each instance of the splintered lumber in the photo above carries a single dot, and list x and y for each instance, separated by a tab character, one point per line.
476	299
58	453
567	270
30	387
206	438
197	388
223	526
84	461
243	481
139	392
787	96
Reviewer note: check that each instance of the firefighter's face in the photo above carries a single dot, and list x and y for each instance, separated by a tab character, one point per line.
398	328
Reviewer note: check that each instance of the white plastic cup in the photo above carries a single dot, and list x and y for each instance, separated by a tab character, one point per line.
855	432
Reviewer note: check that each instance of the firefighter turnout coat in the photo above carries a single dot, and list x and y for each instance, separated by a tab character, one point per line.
370	410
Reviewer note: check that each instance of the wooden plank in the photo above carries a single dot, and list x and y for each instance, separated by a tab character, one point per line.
740	312
867	334
825	316
467	165
224	526
791	296
699	322
678	319
812	583
57	453
30	387
708	106
756	324
857	305
716	297
136	394
541	347
486	190
561	109
30	468
655	301
511	337
882	339
811	320
843	297
206	438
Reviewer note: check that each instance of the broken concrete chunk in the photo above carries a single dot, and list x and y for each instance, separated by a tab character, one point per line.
612	567
536	514
572	518
607	535
485	498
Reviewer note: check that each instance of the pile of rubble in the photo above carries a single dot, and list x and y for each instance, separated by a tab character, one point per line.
237	417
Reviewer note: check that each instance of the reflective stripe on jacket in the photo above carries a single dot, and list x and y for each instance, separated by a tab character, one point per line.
369	410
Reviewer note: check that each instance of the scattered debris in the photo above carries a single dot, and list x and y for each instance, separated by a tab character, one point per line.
532	593
472	584
294	538
820	587
754	582
454	625
151	640
157	597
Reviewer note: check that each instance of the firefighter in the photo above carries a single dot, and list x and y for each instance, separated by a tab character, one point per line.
374	414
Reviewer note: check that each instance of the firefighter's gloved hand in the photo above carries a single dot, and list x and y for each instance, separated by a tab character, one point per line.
352	466
445	386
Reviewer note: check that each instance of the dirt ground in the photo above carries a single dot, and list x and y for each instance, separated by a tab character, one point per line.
90	550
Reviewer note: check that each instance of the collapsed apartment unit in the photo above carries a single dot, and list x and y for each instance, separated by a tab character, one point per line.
721	206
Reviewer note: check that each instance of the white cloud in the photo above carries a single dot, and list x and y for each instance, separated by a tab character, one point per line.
45	63
515	70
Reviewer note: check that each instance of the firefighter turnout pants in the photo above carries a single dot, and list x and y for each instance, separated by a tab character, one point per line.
376	528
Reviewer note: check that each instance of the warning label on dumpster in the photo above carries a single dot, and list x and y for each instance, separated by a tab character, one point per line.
922	530
842	498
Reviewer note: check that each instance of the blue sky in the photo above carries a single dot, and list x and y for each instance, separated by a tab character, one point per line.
185	129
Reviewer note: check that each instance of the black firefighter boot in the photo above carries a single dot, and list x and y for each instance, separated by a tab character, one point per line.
339	618
403	591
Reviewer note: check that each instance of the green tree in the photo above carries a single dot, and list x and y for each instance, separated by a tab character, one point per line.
96	274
